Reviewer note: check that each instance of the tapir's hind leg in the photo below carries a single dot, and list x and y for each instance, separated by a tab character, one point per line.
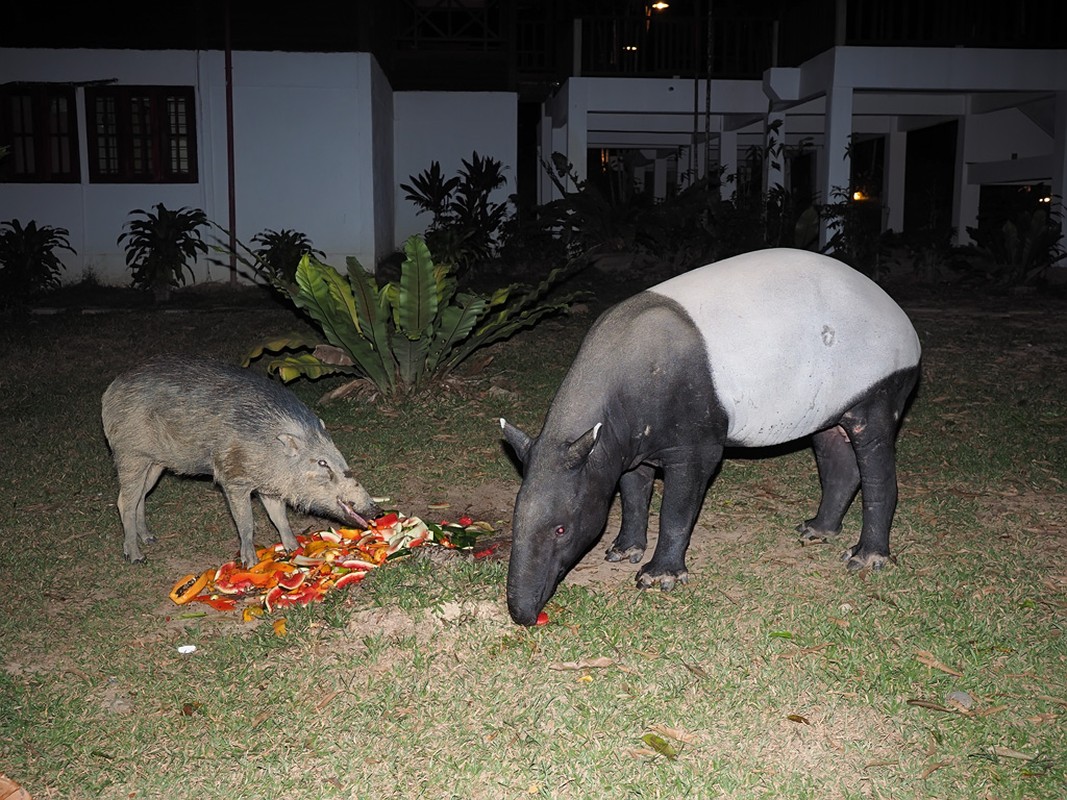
839	477
872	428
635	492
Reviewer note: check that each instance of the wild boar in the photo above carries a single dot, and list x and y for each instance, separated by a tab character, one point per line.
195	416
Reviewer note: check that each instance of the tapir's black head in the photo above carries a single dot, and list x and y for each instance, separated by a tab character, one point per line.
559	513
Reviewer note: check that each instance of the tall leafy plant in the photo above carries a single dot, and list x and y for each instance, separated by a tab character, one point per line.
403	335
1020	249
29	263
279	252
466	220
160	247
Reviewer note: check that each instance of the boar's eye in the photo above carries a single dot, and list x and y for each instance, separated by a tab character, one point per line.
326	466
560	530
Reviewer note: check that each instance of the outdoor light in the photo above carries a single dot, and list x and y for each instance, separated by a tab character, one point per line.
858	195
660	5
630	48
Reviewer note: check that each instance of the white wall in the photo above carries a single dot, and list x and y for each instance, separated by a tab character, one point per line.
303	140
312	151
447	127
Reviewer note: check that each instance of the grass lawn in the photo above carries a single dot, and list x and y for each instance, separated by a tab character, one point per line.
773	673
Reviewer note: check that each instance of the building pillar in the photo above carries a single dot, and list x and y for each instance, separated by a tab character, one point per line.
728	164
836	167
774	151
896	152
577	127
1059	162
965	195
659	176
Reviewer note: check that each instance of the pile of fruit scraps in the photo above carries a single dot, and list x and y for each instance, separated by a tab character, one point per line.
325	561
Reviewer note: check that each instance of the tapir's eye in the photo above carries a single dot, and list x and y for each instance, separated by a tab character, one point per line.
560	530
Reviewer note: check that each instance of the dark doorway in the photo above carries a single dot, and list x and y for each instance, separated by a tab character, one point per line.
929	175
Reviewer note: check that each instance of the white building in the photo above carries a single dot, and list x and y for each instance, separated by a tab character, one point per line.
320	142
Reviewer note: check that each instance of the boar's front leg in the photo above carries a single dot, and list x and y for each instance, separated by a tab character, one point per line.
239	499
635	492
276	511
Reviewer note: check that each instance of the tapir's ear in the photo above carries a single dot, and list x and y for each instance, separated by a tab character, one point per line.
581	447
518	440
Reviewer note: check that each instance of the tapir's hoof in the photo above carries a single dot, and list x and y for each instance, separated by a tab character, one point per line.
855	561
666	580
809	533
631	554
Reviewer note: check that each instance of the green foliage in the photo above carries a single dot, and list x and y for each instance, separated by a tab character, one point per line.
403	335
29	263
466	222
1019	250
279	252
855	230
160	247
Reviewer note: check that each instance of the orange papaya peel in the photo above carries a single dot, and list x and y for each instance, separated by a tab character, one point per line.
190	586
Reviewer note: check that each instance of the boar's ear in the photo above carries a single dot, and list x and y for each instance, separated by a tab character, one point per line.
291	442
580	448
518	440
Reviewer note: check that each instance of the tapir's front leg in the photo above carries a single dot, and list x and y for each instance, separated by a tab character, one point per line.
684	486
635	492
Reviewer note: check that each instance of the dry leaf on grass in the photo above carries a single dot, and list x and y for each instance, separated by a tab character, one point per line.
660	745
582	663
678	734
927	658
939	707
10	790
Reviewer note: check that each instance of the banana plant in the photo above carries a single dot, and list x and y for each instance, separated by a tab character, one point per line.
401	336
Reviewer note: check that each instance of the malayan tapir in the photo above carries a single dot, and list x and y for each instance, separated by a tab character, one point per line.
761	349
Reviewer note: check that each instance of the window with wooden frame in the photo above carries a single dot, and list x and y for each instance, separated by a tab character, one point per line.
38	126
141	134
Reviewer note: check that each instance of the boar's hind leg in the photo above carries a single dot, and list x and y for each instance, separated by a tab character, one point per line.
276	511
239	499
136	479
839	476
635	491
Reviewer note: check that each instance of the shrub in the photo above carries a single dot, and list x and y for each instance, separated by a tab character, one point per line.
404	335
29	264
1019	250
160	247
279	253
463	232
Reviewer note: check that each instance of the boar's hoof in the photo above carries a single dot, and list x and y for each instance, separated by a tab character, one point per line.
810	534
856	560
666	580
138	560
631	554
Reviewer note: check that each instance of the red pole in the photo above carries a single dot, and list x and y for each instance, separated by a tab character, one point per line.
229	152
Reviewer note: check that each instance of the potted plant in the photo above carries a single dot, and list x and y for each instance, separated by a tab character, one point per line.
161	246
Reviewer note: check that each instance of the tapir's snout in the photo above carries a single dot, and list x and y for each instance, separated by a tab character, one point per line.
527	595
522	615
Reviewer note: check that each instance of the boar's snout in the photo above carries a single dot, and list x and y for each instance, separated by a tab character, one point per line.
360	511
